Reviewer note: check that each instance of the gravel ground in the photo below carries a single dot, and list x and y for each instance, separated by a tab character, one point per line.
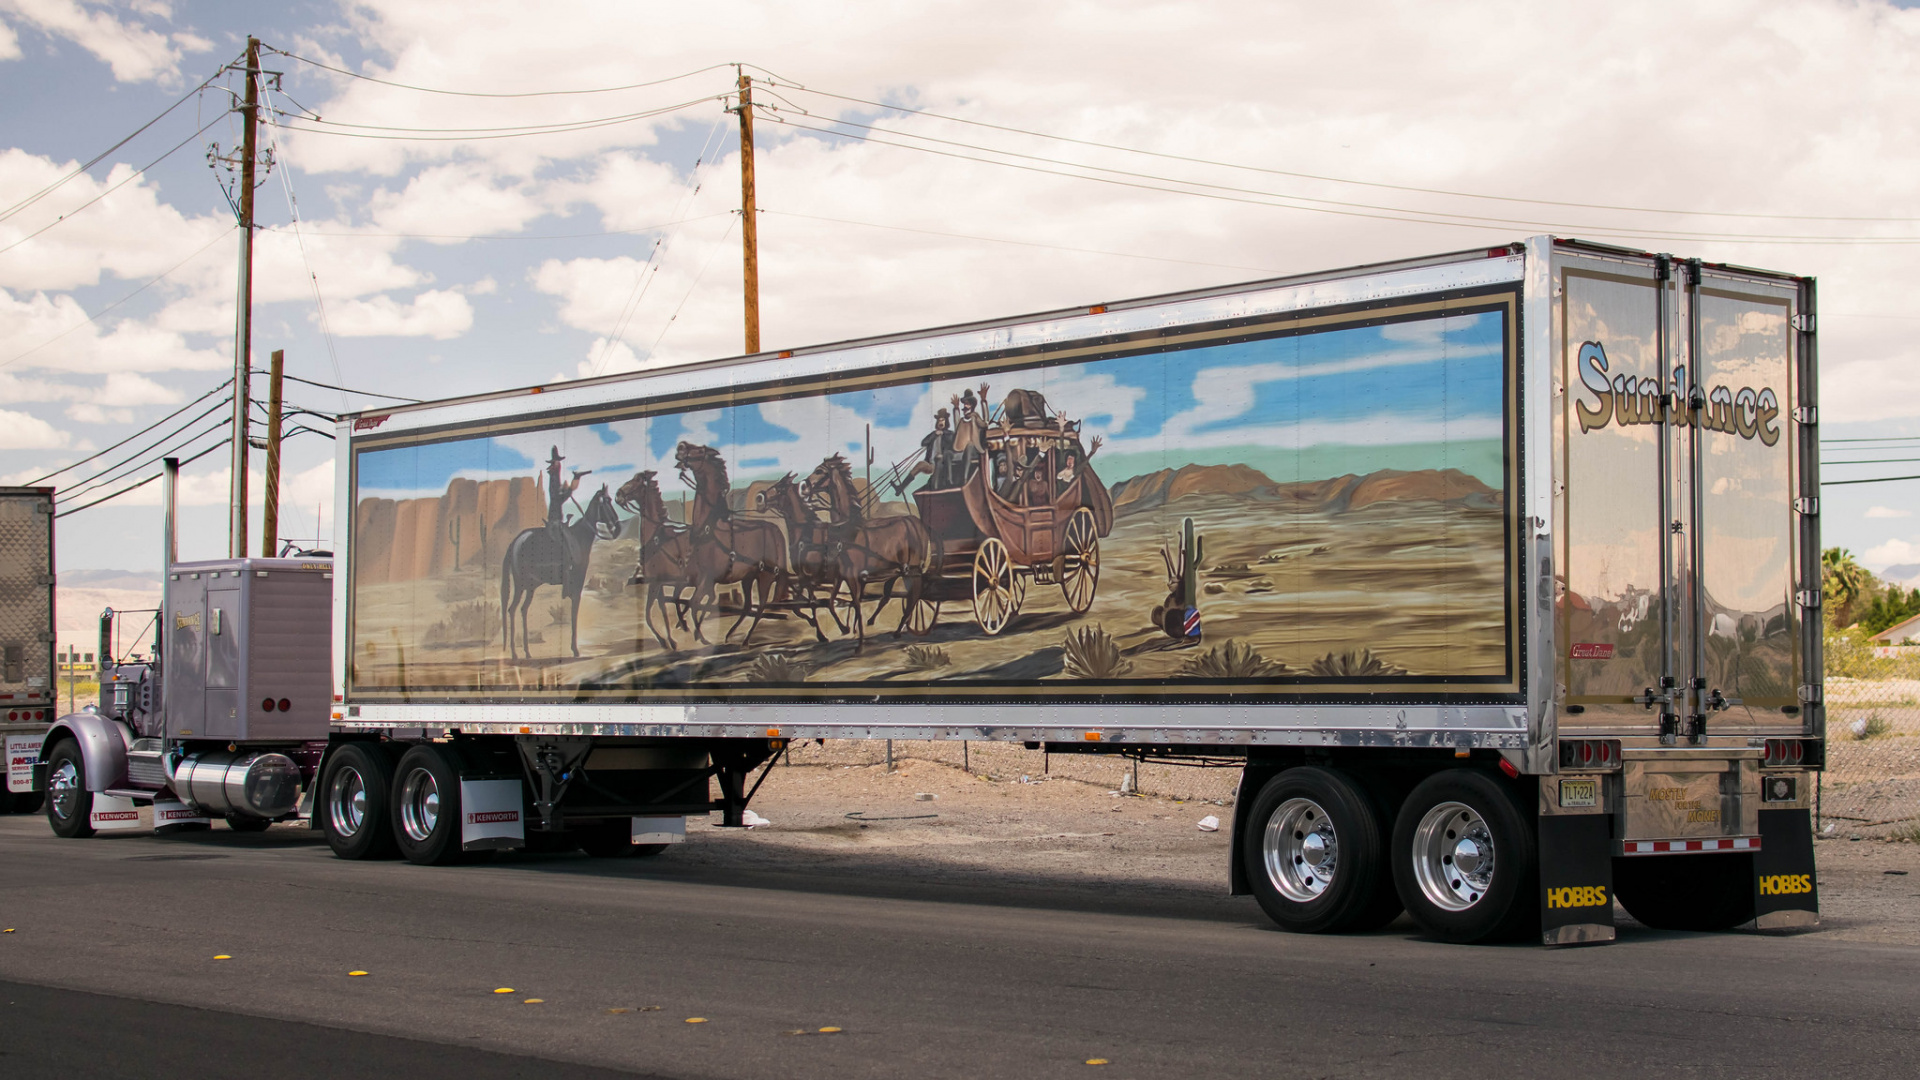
933	823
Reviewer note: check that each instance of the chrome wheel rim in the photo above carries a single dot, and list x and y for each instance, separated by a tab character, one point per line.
419	805
63	790
347	801
1453	856
1301	849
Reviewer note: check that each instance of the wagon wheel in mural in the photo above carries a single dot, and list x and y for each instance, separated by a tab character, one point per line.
997	587
922	615
1080	563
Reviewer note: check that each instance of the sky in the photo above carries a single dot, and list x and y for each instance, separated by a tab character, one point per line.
448	243
1424	393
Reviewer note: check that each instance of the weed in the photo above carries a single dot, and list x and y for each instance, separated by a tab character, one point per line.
1355	664
1907	833
775	668
1871	726
927	657
1091	653
1234	660
557	613
472	621
460	587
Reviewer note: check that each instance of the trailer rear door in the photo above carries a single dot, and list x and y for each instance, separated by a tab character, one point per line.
26	600
1675	482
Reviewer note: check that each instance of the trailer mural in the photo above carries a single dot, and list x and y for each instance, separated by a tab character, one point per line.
1010	522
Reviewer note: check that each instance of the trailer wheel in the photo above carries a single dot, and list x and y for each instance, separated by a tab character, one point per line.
1465	859
426	807
354	811
69	803
1686	892
609	839
1315	850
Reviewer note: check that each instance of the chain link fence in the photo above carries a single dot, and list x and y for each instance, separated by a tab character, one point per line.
1871	787
1013	763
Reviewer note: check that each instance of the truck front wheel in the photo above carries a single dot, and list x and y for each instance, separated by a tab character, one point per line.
1465	859
353	808
69	803
1315	851
426	807
1686	892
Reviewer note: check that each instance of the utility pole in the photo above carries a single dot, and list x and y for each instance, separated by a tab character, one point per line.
243	327
270	513
749	217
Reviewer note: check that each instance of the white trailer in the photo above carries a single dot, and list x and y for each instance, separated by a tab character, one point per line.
1496	573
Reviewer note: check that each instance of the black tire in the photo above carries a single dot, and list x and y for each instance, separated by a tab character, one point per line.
609	839
69	803
648	851
426	807
1686	892
8	800
248	823
1467	812
1314	849
353	802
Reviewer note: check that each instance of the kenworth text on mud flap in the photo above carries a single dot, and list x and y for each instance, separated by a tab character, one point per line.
1496	574
28	685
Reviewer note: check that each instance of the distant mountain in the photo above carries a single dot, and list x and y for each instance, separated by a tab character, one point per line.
1340	493
1906	575
109	579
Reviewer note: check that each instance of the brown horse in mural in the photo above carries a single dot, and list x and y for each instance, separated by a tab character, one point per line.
886	550
726	550
553	555
665	560
816	569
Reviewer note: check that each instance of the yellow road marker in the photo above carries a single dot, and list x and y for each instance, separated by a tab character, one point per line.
649	1008
619	1010
353	973
503	990
534	1001
223	956
696	1019
829	1031
1096	1061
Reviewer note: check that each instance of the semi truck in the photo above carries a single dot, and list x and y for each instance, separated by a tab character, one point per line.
28	691
1495	573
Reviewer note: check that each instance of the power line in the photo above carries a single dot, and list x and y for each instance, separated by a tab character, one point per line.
1019	243
519	128
150	282
555	129
1230	193
131	177
134	461
101	156
143	483
350	390
1874	480
479	94
1331	179
642	230
98	453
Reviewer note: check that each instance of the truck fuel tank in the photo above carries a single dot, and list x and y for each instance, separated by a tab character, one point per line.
260	784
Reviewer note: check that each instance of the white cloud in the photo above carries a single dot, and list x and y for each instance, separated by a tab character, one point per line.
9	43
135	53
1887	512
1891	553
20	431
88	412
436	313
454	201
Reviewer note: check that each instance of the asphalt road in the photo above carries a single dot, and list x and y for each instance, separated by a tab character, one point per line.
110	969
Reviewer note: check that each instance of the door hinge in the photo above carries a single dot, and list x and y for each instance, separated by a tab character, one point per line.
1806	415
44	635
1808	598
1806	507
1803	322
1810	693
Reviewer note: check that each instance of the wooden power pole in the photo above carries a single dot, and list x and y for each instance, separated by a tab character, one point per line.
749	218
270	513
243	328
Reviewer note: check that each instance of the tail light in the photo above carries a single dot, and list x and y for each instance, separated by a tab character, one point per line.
266	704
1590	754
285	705
1785	753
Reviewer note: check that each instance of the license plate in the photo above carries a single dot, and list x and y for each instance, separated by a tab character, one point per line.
1576	793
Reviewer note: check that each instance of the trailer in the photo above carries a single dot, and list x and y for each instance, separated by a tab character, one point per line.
28	690
1497	579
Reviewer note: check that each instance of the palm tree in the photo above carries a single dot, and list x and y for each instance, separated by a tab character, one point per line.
1843	581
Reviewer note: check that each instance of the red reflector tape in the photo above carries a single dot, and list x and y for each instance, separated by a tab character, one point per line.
1670	847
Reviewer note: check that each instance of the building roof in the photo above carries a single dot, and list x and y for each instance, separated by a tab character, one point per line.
1899	632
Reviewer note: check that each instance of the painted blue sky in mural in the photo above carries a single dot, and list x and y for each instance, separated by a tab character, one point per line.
1428	382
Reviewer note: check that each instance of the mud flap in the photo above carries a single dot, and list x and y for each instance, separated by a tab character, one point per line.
1576	879
23	751
490	815
659	830
1785	884
113	812
172	813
